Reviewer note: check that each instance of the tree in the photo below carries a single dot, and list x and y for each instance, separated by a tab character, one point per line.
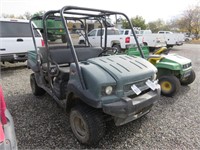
158	25
152	26
186	20
12	16
28	15
190	21
137	21
173	25
8	15
196	21
39	13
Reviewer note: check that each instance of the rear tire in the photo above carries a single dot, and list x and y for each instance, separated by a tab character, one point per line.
87	124
117	47
170	85
63	38
81	42
37	91
189	79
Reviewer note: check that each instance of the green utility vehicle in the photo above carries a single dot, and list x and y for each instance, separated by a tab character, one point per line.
93	86
134	51
173	69
55	29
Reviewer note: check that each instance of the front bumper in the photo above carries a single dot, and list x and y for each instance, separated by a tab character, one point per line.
185	73
18	57
128	109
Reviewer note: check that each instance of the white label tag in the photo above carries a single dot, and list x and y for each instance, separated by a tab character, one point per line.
151	84
136	89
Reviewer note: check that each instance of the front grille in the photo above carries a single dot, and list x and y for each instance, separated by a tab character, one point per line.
135	95
187	65
141	85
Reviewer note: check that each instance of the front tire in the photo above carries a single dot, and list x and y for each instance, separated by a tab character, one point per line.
170	85
87	124
37	91
189	79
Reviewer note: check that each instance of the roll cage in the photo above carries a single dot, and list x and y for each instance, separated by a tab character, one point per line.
79	14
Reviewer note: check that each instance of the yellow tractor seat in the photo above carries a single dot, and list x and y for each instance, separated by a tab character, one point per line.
161	50
154	58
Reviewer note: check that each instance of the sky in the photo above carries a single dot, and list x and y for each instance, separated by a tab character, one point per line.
150	10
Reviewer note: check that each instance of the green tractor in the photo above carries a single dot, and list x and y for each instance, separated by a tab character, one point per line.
55	29
173	69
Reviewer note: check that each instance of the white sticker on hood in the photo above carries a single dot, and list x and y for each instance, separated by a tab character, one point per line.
151	85
136	89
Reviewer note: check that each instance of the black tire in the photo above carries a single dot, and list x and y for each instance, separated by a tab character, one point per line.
187	40
170	46
37	91
87	124
145	44
151	49
117	47
51	37
52	40
170	85
81	42
63	38
189	79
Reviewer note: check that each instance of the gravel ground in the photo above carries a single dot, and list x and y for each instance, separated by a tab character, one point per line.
173	123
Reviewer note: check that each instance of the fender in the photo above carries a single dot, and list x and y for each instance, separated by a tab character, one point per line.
84	95
168	65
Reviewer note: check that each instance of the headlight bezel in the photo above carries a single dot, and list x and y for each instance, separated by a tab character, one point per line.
106	91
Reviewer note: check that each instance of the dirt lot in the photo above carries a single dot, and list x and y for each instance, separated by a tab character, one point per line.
173	123
194	41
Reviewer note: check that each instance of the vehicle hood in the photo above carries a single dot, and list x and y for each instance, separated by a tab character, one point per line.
177	59
124	68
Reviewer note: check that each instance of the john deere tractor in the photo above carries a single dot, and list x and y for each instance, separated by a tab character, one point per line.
173	70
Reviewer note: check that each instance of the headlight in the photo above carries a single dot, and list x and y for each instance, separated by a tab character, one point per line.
108	90
187	65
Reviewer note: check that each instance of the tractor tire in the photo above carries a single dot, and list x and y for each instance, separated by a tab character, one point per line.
189	79
87	124
37	91
170	85
63	38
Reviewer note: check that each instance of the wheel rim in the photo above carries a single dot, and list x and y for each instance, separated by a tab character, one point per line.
166	86
79	126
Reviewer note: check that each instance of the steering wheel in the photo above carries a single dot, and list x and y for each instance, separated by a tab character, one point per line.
53	68
109	51
162	50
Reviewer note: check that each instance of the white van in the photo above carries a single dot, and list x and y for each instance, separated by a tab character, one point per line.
172	39
16	40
